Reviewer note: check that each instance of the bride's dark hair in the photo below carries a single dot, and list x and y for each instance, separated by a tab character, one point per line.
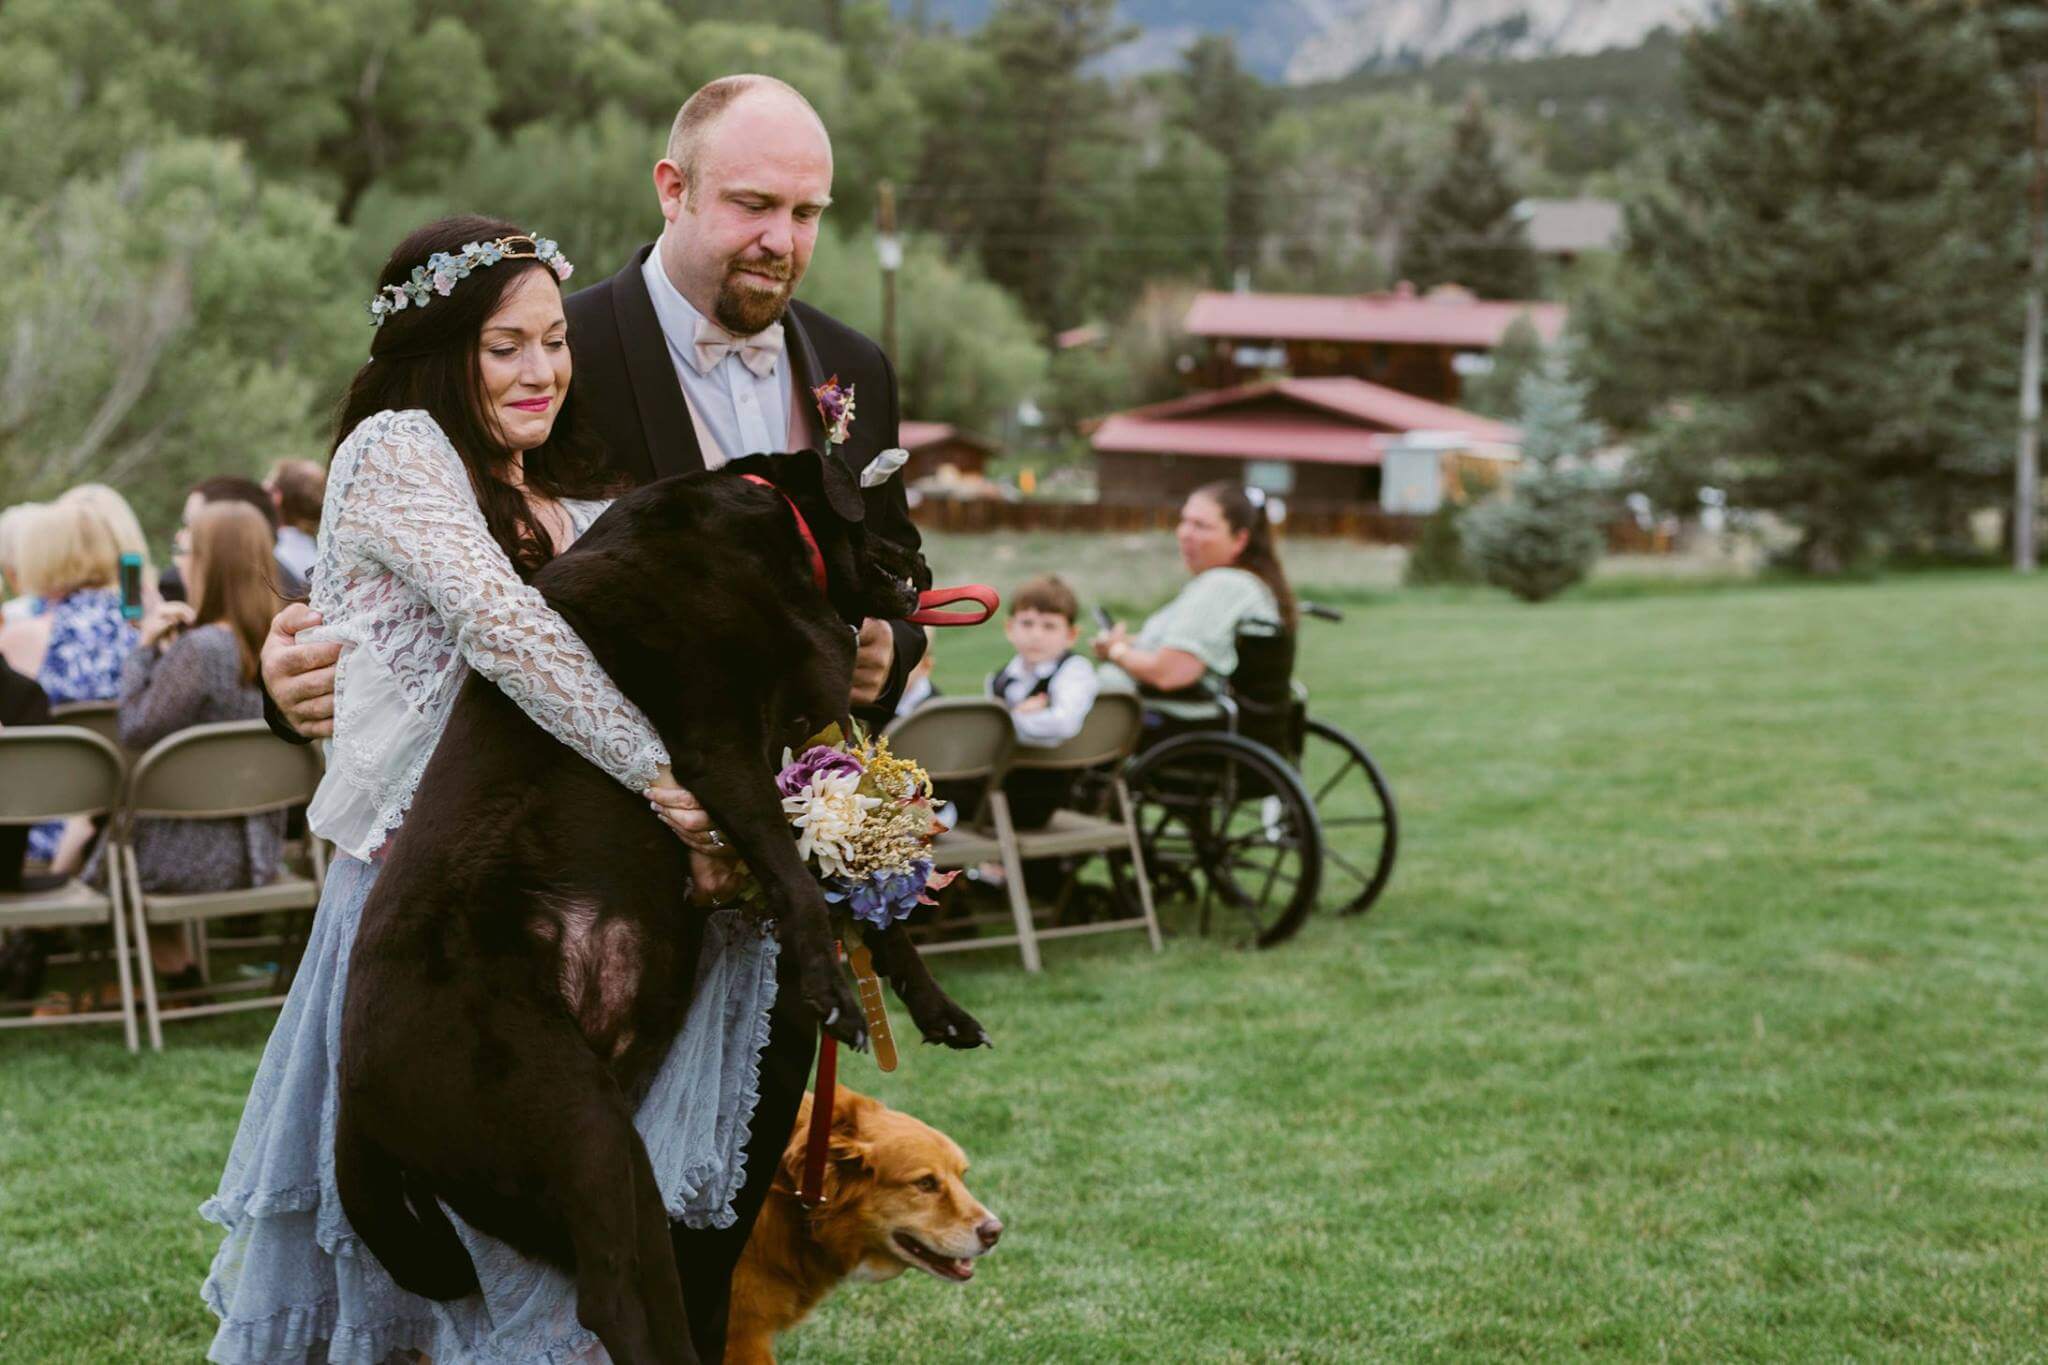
429	358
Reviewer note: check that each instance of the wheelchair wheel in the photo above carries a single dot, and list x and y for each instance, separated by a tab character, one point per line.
1225	822
1355	809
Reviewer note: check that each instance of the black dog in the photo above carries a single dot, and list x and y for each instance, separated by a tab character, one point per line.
522	965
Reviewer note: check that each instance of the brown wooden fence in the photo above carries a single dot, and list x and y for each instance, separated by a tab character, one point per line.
1379	528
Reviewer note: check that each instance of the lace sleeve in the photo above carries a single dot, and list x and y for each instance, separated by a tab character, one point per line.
407	504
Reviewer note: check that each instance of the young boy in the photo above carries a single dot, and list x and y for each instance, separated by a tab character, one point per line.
1049	688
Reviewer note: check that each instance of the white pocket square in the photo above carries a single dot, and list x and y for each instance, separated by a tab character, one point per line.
882	466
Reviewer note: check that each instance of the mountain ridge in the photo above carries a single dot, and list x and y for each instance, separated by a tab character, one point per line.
1303	42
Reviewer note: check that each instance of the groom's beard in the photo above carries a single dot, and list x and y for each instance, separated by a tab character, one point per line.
743	307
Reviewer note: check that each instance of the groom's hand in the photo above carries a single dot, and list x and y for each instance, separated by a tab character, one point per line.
877	651
300	677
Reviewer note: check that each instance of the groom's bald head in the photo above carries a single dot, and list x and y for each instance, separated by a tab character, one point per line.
748	173
701	113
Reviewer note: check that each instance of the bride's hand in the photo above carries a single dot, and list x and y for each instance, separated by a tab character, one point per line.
686	815
715	878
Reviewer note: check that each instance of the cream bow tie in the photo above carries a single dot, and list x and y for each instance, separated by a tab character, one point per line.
758	352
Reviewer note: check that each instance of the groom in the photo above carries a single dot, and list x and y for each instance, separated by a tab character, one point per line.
692	355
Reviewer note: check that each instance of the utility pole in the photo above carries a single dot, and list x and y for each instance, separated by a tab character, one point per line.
889	247
2026	489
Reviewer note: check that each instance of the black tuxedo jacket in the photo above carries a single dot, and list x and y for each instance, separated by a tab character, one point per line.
626	391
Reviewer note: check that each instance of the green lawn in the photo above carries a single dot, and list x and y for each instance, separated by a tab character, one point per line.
1706	1018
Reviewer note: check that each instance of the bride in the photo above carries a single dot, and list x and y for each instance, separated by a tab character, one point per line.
458	471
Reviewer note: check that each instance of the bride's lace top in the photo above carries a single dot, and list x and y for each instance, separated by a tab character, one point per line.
408	577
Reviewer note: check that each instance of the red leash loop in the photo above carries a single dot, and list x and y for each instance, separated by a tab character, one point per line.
928	603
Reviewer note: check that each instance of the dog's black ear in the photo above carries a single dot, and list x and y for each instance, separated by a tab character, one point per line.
802	472
842	489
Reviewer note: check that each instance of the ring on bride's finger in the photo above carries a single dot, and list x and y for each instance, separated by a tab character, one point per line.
717	839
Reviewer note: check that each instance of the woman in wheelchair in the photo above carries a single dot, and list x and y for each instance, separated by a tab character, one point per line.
1226	542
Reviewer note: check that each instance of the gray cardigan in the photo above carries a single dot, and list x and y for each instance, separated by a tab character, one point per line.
195	680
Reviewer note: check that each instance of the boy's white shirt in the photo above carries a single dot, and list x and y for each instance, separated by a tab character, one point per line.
1067	702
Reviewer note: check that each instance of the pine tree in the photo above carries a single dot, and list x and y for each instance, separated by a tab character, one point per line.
1545	533
1465	230
1228	108
1816	297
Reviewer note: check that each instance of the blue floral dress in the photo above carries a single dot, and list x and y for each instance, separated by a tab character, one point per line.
89	641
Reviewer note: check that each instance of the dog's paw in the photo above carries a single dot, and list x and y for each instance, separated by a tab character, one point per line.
838	1009
944	1022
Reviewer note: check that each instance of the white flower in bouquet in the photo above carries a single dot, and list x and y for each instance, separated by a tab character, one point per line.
827	813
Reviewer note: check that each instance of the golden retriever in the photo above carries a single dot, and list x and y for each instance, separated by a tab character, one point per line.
894	1199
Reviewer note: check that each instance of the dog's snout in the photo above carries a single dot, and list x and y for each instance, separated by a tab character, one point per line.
988	1230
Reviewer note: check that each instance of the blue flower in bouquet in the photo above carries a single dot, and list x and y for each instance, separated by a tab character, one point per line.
817	761
881	898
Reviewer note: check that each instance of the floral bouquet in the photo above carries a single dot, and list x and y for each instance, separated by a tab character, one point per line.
864	823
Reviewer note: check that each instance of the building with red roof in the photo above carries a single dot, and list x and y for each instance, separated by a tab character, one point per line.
1318	442
937	445
1422	344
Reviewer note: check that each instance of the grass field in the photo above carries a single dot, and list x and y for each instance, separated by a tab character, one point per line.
1706	1018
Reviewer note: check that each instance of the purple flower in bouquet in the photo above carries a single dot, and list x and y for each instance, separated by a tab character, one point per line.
817	761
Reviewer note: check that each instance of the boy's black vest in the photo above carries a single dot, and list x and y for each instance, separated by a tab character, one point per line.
1042	688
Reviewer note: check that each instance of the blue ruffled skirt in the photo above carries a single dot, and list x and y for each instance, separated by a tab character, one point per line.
292	1283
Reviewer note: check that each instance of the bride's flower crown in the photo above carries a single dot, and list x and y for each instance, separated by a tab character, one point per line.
439	274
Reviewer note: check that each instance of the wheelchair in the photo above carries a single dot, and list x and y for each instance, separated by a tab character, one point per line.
1254	810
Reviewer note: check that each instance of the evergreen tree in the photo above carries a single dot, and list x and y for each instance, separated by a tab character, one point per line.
1228	108
1498	392
1465	230
1816	297
1043	167
1546	532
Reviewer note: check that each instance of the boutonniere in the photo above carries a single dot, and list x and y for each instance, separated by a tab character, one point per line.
835	406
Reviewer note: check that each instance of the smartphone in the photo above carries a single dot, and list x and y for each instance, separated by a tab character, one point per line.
1102	621
131	587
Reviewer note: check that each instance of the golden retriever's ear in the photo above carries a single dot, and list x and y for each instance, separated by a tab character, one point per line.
849	1110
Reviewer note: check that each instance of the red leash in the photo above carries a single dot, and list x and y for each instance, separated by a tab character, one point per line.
803	528
811	1193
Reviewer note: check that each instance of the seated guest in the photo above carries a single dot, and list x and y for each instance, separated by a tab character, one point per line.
918	688
1226	543
17	605
1048	687
227	488
194	666
21	703
110	507
75	646
298	487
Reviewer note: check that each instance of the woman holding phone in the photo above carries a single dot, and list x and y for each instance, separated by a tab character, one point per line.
137	583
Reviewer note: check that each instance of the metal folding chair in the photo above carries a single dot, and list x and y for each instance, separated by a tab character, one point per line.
55	772
212	772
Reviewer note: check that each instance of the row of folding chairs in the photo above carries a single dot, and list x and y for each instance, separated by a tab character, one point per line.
969	740
208	772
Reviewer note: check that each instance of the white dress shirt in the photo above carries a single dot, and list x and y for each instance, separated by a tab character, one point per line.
1067	702
741	412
